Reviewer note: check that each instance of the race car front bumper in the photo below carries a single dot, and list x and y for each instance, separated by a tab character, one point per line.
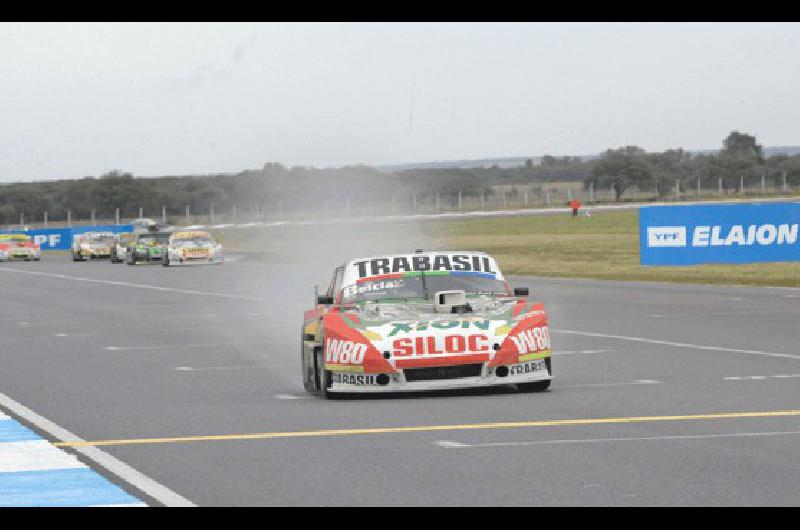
146	257
180	260
18	256
442	378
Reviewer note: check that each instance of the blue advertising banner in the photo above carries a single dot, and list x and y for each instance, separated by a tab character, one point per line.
61	238
719	233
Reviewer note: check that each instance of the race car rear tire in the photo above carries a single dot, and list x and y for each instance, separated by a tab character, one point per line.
537	386
323	376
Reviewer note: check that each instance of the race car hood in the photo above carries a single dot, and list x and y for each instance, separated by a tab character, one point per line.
198	248
139	247
17	244
96	246
383	337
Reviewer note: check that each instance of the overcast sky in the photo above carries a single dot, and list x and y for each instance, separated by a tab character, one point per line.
159	99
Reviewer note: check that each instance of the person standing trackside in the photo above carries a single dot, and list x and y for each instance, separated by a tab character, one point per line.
575	204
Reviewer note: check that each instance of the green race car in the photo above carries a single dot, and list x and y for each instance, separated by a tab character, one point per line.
148	247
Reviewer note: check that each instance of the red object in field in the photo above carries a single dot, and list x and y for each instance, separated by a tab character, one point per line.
575	204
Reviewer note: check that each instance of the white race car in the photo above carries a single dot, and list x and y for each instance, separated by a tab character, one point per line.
93	245
192	246
19	247
424	321
119	251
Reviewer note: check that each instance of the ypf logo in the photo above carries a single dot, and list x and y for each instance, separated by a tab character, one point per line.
666	236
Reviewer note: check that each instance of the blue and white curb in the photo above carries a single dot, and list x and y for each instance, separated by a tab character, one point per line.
33	472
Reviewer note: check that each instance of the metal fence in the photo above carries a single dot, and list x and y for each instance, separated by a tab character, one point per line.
499	197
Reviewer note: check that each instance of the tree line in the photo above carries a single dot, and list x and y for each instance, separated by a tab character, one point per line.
275	187
741	161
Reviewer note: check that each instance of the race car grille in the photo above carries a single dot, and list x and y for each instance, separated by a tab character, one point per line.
443	372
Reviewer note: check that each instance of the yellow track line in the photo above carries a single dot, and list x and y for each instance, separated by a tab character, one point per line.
431	428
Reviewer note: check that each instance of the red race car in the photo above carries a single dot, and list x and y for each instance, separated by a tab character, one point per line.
423	321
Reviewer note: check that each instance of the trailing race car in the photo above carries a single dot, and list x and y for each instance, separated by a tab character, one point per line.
143	224
19	247
92	245
119	252
424	321
192	246
147	248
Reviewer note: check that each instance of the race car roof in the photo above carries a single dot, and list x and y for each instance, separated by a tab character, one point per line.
439	262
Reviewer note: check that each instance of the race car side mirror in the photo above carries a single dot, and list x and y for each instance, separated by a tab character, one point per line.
324	300
521	291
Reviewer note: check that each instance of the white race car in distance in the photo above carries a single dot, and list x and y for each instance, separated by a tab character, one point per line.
92	245
19	247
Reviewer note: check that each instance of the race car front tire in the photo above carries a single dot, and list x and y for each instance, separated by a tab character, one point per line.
536	386
308	373
323	375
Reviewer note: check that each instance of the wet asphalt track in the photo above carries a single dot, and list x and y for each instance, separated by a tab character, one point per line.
112	361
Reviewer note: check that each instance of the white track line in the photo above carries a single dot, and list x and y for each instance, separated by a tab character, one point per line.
449	444
676	344
579	351
134	285
760	377
205	368
144	483
594	385
172	346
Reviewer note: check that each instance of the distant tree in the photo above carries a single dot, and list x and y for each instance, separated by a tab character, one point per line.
669	166
742	145
548	160
622	168
779	165
741	157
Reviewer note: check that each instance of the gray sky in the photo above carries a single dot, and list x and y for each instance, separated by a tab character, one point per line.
155	99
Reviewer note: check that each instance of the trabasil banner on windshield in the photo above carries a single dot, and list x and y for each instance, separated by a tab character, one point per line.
61	238
719	233
386	267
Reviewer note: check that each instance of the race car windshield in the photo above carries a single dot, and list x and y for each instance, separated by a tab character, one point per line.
200	240
101	239
14	241
151	240
421	287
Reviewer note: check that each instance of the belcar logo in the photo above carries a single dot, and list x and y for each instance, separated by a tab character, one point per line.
532	340
344	351
666	236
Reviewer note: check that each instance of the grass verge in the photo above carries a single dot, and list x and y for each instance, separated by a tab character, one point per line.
604	246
